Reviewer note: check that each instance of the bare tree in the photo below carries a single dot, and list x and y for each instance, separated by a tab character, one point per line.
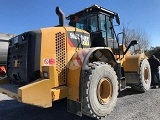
136	34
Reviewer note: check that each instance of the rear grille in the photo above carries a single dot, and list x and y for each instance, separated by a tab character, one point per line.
16	63
61	57
23	61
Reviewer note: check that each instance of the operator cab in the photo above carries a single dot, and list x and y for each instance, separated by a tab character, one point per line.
98	22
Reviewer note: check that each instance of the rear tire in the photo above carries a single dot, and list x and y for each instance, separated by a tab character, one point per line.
100	90
144	77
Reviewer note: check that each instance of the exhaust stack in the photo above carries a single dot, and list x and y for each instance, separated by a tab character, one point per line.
61	16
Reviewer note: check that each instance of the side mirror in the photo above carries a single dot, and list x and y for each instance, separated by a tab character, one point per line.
117	18
73	21
133	42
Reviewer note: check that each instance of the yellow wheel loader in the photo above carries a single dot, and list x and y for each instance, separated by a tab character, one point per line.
84	62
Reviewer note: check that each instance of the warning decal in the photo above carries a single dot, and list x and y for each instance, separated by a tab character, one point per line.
49	61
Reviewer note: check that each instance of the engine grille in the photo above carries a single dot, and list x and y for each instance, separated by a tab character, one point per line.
61	57
23	64
17	62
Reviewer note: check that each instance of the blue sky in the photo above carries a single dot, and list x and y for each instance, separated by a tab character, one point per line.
18	16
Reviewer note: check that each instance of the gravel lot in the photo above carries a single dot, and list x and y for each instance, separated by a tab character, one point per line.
131	105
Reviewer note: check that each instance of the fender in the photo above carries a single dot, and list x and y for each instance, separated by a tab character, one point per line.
129	60
74	73
76	69
73	81
132	70
96	54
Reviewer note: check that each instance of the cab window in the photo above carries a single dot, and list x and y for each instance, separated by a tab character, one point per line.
88	23
105	25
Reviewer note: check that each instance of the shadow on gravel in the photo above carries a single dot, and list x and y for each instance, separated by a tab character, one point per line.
14	110
128	91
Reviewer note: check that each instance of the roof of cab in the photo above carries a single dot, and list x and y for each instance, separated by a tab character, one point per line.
93	8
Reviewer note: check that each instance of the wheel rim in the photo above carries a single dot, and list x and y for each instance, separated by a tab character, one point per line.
104	91
146	74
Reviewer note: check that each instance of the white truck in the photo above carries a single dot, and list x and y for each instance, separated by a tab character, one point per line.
3	51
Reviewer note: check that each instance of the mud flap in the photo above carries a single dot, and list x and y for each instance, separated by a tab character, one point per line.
74	107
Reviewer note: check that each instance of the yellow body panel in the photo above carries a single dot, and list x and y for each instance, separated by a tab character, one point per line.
73	71
59	93
37	93
73	84
131	63
53	41
60	78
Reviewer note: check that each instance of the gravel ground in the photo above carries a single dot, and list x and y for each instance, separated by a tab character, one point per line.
131	105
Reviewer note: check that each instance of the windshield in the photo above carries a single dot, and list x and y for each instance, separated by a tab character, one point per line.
99	26
88	23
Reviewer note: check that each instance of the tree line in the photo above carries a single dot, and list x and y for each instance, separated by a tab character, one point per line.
143	40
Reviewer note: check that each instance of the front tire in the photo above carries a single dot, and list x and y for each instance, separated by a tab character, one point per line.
100	90
144	77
